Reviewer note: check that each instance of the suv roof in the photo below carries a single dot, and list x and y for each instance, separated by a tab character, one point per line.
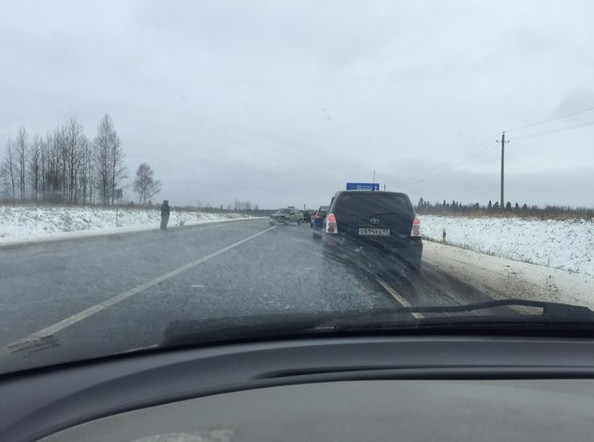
369	192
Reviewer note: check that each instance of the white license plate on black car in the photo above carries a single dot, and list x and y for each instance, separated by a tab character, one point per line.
374	232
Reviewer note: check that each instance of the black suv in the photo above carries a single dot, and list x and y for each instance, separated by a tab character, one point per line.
375	224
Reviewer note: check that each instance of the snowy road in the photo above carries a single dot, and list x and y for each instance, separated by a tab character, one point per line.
112	294
120	292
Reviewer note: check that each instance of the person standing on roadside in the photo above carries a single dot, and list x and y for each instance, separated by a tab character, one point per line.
164	214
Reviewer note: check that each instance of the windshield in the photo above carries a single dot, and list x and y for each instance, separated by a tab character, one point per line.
146	147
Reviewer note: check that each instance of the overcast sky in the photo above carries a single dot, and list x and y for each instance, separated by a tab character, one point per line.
283	102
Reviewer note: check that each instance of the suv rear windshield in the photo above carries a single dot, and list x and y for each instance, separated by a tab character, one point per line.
373	203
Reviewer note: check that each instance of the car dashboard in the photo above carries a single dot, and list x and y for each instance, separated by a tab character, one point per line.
336	388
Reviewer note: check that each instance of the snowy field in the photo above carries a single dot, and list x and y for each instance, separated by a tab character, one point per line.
567	245
30	223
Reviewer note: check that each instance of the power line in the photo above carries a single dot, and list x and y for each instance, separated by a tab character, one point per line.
559	129
455	160
486	146
551	119
475	152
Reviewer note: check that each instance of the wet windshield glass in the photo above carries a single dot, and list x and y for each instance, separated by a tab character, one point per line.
161	166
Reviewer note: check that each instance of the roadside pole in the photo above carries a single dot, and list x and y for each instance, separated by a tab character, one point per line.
502	141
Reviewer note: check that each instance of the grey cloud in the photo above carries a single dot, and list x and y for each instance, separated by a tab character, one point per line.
287	101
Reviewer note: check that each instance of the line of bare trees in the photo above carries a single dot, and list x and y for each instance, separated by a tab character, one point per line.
64	165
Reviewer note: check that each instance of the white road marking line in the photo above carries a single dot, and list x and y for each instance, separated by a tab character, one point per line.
397	297
67	322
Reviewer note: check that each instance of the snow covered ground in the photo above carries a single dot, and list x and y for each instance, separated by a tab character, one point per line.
502	278
567	245
31	223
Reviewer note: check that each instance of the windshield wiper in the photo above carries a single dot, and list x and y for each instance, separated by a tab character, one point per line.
216	330
406	318
550	310
192	332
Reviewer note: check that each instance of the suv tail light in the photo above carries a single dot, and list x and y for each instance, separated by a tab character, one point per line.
416	227
331	226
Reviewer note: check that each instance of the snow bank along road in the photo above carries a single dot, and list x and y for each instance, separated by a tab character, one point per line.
550	260
566	245
97	296
503	278
25	224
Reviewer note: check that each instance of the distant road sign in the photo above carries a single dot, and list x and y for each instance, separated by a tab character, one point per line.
362	186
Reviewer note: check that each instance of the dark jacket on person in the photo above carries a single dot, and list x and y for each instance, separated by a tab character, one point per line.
165	209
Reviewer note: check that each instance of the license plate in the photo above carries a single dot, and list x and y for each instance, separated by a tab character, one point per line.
374	232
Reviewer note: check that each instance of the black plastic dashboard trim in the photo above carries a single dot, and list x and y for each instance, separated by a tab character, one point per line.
40	403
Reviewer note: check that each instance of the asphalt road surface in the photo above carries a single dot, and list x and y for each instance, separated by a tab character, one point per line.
83	298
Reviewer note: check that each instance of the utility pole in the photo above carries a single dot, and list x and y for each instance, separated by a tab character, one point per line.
502	141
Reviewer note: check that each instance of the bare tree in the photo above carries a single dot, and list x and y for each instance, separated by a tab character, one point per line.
145	184
21	148
9	170
64	165
61	156
34	170
109	157
242	205
47	167
102	170
86	172
53	178
74	142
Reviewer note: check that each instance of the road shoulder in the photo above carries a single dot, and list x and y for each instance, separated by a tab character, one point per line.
504	278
